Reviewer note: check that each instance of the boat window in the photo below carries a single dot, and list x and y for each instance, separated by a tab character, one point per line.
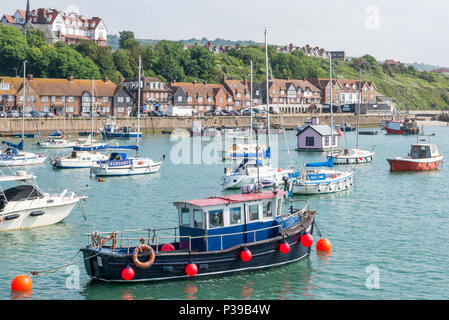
197	218
279	206
236	215
185	217
215	219
267	209
253	212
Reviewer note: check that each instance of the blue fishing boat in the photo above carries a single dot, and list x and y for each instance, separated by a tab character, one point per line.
215	236
112	131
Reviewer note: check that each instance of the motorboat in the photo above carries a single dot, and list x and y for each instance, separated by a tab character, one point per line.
353	156
27	206
401	127
422	156
112	131
215	236
90	145
77	159
57	144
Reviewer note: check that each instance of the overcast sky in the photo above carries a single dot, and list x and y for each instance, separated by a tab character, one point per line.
405	30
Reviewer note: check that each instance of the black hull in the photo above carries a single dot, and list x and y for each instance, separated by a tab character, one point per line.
170	265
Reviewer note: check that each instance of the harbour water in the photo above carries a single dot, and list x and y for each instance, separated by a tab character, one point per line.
388	232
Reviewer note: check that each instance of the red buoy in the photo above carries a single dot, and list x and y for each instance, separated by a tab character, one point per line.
21	283
284	247
192	269
168	247
128	273
279	170
306	240
323	245
246	255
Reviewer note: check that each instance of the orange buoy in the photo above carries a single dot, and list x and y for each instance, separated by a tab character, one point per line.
307	240
128	273
323	245
101	180
279	170
284	247
191	269
21	283
246	254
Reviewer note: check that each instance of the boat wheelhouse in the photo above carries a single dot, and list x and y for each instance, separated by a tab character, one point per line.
422	156
213	237
112	131
77	160
401	127
14	155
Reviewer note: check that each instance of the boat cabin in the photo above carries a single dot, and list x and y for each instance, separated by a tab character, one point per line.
423	151
221	222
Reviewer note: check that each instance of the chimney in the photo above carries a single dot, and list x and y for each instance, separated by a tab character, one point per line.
122	80
288	78
70	78
173	83
30	77
106	79
245	80
205	82
194	82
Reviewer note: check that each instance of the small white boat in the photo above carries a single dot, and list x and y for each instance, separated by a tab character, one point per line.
240	150
57	144
247	173
353	156
119	164
316	181
26	206
77	159
15	156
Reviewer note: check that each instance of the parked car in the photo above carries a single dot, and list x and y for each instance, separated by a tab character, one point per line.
155	113
210	113
13	114
48	115
3	114
226	113
36	114
237	113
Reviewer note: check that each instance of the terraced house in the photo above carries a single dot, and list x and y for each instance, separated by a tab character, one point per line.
291	95
240	92
59	96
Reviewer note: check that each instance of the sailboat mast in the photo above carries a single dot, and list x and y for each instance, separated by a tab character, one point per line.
332	121
24	99
268	102
92	118
358	112
138	105
251	122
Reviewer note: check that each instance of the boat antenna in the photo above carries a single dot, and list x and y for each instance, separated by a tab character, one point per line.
258	188
358	111
268	100
138	105
251	122
331	106
24	99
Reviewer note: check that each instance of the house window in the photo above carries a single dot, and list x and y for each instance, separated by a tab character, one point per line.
238	94
71	99
189	99
257	92
215	219
53	99
236	216
221	99
326	141
310	141
253	212
180	99
185	217
121	109
229	99
69	109
4	86
105	99
128	99
209	99
120	99
200	99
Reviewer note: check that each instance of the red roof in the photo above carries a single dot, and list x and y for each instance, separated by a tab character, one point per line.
235	198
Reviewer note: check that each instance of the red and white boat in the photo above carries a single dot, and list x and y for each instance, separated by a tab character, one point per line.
423	156
401	127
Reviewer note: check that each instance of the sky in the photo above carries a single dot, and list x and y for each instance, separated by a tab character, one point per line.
404	30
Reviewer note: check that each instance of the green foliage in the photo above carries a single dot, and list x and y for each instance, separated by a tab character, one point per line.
13	50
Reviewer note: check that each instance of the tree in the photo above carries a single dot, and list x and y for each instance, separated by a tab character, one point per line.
13	49
168	67
123	36
199	62
36	38
65	61
121	61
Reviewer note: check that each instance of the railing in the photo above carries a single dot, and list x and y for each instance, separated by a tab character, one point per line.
95	238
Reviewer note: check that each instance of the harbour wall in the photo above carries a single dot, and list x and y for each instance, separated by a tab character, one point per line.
156	124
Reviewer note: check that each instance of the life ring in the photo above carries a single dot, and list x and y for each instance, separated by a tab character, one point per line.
137	262
109	237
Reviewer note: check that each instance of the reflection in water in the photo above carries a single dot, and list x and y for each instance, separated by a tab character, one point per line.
21	295
325	256
191	290
128	295
247	290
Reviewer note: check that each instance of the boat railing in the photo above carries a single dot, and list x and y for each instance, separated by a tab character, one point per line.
160	236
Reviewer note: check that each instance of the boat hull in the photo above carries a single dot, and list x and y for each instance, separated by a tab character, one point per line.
136	169
119	135
414	165
26	160
318	187
105	265
37	214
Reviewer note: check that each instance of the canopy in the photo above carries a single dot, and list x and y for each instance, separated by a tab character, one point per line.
13	145
22	192
329	163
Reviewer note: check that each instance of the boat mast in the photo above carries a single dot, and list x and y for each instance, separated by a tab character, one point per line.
251	122
332	122
24	100
138	106
268	102
358	112
92	118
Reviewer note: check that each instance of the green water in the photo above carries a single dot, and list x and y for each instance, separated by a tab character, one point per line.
394	224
